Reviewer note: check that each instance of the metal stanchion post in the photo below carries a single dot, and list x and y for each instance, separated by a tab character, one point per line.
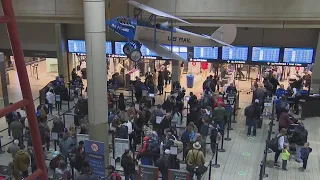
1	152
69	95
222	139
234	113
264	161
216	165
55	145
37	72
113	148
210	166
64	120
229	128
229	124
261	171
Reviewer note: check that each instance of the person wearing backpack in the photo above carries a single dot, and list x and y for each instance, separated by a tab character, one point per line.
253	114
112	174
302	139
277	145
281	105
195	161
163	163
297	96
128	165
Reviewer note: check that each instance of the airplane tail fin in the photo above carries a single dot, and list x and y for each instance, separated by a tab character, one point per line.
226	33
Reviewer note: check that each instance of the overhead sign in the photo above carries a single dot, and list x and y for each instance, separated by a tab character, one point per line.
298	55
148	172
79	46
174	174
265	54
205	52
236	53
94	152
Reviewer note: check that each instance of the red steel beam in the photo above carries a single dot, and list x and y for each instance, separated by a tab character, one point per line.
25	87
4	19
13	107
34	175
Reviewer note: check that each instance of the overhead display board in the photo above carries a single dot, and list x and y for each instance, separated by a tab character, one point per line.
119	48
236	53
265	54
298	55
205	53
180	50
147	52
79	46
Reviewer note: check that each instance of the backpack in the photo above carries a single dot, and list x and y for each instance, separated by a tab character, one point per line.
179	144
153	146
273	143
214	134
115	174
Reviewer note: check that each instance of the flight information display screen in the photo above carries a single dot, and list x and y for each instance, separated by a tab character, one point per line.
298	55
119	48
236	53
180	50
79	46
205	52
265	54
147	52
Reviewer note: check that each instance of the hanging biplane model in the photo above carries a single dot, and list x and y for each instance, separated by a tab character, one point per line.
153	35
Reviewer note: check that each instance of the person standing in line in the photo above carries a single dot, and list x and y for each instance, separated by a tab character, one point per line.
253	113
285	157
305	151
281	142
17	131
128	164
51	99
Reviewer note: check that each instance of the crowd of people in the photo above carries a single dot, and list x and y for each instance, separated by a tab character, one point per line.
292	136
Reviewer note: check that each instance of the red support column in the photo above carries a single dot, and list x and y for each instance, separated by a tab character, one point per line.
25	87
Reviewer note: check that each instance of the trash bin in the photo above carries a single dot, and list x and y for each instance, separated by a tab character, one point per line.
190	80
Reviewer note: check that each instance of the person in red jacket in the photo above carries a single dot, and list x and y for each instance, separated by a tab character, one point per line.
204	69
284	120
220	100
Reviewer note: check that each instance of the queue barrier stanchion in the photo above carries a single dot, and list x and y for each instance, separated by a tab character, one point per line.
265	161
216	165
1	151
222	140
69	94
228	129
210	166
261	171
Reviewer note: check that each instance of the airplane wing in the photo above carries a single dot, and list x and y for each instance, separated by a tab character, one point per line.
217	41
162	51
155	11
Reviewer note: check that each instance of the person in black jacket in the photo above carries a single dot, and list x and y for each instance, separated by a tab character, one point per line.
138	90
160	82
253	113
302	138
121	103
74	74
166	73
121	131
138	130
163	163
128	164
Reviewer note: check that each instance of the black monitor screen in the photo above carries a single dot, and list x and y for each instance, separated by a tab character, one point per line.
298	55
237	53
265	54
119	48
79	46
180	50
147	52
205	52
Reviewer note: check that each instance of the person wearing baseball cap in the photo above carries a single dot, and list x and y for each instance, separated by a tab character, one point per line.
163	163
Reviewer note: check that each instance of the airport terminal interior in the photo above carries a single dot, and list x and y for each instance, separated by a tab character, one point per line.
171	89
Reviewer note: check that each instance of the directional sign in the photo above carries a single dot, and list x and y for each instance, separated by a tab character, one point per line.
174	174
95	155
148	172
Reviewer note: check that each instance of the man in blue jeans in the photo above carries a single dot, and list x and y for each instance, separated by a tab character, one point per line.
252	113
